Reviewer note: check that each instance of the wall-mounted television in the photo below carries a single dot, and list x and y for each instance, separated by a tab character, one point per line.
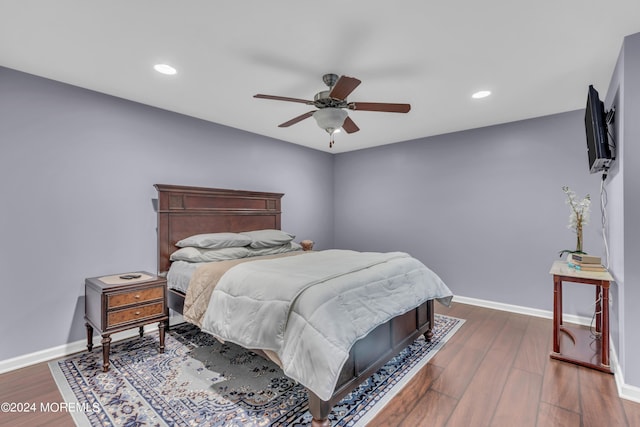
595	121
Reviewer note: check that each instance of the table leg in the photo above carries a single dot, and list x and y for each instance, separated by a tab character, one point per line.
161	335
557	312
89	336
560	304
106	347
605	326
598	309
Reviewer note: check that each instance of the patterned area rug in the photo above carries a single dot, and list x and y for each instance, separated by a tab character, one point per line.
201	382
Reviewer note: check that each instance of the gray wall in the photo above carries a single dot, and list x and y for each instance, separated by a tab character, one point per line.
77	170
623	188
483	208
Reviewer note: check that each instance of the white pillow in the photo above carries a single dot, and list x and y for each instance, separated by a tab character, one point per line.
191	254
289	247
215	241
268	238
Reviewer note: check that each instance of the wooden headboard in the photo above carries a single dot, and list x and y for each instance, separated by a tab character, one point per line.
185	211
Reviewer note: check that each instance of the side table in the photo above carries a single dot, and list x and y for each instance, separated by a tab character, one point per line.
119	302
583	347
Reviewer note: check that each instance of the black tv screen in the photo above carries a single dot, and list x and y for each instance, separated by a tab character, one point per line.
596	127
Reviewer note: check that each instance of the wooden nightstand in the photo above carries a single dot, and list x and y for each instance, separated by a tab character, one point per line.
113	304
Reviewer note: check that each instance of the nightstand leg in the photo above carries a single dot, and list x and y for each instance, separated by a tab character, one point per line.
605	326
89	336
598	309
557	312
141	331
106	348
161	335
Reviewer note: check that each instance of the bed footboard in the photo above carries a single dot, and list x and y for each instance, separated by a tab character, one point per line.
371	353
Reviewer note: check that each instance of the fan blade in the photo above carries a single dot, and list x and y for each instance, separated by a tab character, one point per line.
283	98
344	86
297	119
349	126
380	106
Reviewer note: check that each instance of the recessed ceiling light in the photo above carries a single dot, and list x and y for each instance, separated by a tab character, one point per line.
481	94
165	69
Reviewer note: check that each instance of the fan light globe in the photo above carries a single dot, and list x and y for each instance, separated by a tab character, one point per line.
330	119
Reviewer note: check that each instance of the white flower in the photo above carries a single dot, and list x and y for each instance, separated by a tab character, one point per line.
579	215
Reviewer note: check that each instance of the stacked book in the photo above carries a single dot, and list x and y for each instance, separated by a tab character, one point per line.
584	262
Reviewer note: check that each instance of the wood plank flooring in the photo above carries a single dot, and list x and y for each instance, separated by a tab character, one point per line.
495	371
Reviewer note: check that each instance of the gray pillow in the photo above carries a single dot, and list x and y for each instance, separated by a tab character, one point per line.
289	247
191	254
268	238
215	241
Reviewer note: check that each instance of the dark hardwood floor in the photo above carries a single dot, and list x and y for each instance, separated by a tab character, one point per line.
495	371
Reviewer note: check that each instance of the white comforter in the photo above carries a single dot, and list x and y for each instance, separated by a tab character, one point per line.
310	309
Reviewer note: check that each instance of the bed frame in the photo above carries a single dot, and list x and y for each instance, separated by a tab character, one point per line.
185	211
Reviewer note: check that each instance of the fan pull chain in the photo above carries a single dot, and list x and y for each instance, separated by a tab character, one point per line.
331	141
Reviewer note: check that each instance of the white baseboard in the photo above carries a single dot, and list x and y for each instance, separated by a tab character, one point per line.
74	347
629	392
625	391
578	320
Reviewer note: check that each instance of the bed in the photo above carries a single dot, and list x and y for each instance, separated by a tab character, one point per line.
186	211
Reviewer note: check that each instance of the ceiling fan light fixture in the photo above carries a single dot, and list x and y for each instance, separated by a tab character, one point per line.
330	119
331	114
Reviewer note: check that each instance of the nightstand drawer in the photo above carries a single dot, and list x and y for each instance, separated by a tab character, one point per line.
134	314
133	297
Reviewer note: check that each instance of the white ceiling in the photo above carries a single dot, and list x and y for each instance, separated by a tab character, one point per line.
537	57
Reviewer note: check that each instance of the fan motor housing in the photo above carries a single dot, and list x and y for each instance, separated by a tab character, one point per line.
322	100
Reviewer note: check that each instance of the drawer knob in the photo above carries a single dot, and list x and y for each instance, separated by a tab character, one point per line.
137	296
137	313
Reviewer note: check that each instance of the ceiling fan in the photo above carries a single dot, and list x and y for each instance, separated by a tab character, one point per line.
332	104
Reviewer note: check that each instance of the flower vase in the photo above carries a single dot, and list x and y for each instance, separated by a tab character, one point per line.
579	239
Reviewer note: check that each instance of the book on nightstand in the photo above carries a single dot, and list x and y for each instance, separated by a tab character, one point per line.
585	259
582	262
